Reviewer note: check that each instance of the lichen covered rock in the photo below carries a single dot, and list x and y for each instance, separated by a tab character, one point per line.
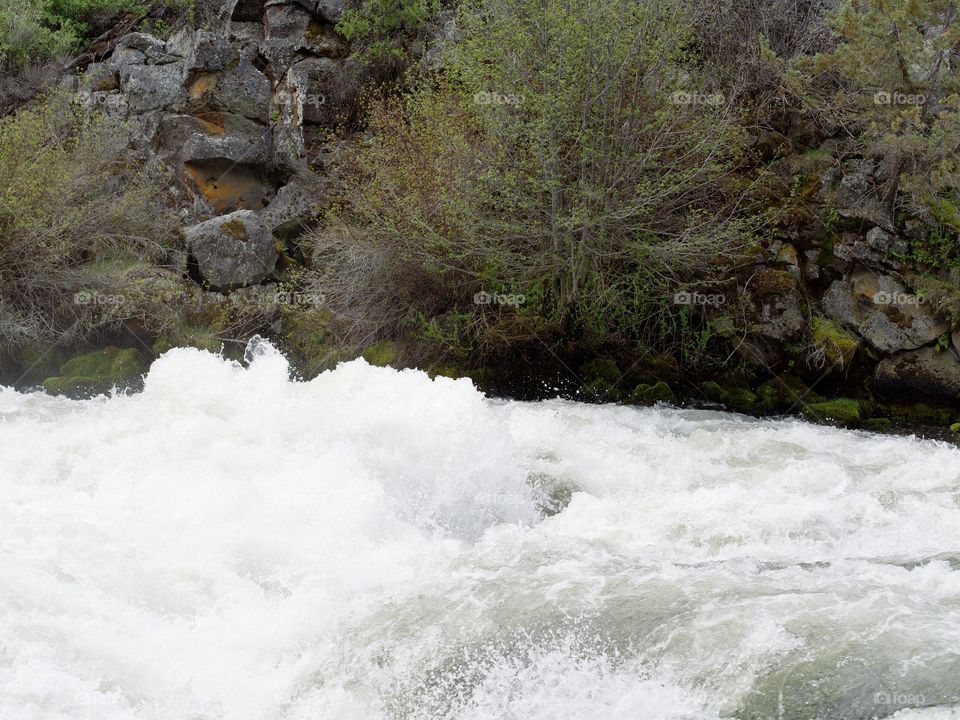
233	250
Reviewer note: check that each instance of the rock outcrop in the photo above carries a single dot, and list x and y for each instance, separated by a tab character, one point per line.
230	110
233	250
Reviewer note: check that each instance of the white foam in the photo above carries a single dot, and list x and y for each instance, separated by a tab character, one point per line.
231	544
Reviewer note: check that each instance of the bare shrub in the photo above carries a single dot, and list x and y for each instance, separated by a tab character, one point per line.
78	214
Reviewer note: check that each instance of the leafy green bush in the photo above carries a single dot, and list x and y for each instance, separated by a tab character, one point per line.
80	223
377	27
32	31
568	154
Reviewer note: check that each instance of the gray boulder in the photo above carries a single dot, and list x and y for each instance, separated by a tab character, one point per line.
934	375
289	27
330	10
203	50
126	56
882	311
777	297
856	196
233	250
153	87
212	135
153	49
311	90
242	90
100	77
296	204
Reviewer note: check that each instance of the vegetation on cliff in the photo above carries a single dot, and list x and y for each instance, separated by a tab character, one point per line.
736	201
81	222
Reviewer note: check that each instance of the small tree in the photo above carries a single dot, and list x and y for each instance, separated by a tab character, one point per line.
567	153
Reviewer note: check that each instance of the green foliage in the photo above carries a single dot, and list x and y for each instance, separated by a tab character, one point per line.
377	26
80	225
892	81
35	30
551	160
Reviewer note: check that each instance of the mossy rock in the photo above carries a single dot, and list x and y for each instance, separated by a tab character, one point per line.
769	281
305	333
712	391
740	399
955	428
656	368
838	345
601	368
878	424
645	394
447	371
98	371
768	399
786	391
922	414
842	411
603	390
382	354
162	345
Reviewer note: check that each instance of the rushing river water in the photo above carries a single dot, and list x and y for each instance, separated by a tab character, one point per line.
373	544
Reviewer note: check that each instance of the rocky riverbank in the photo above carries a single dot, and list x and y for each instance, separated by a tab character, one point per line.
831	315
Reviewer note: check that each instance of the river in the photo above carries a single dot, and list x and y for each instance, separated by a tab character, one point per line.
230	544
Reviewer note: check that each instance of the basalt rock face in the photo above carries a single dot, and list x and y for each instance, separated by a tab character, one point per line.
231	110
236	112
841	313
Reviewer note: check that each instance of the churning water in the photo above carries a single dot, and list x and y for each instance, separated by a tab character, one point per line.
375	544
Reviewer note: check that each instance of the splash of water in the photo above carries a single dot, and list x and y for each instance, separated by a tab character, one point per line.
376	544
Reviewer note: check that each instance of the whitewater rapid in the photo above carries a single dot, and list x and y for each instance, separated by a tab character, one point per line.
373	544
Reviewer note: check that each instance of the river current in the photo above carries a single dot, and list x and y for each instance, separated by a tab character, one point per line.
373	544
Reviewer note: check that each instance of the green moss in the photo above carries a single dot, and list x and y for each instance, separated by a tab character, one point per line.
305	333
645	394
161	345
878	424
842	411
774	282
601	368
946	212
786	391
449	371
97	371
740	399
838	345
382	354
922	414
955	428
712	391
